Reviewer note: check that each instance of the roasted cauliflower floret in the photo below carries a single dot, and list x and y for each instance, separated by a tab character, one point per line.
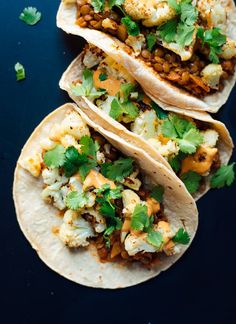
210	137
213	13
146	125
74	125
75	231
107	23
105	105
75	183
47	144
201	161
100	223
69	140
211	75
92	57
164	228
132	182
183	52
168	149
136	42
151	12
55	194
51	176
137	243
228	49
33	164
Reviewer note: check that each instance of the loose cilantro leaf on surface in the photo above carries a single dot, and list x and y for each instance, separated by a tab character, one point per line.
151	41
112	3
102	76
161	114
118	170
119	109
191	180
30	16
181	237
157	193
224	176
131	26
168	30
88	146
155	239
98	5
20	71
87	87
76	200
182	131
55	158
214	39
140	219
190	141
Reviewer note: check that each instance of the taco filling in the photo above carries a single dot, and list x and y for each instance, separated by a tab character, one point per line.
102	196
189	145
185	42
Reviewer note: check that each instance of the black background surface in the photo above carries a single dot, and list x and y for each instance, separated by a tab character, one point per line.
200	288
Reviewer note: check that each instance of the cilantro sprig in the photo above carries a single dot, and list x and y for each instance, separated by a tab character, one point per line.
183	132
180	29
224	176
98	5
76	200
157	193
181	237
87	88
20	71
214	39
30	15
118	170
191	181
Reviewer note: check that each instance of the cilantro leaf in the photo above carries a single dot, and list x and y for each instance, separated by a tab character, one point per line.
30	16
151	41
20	71
168	30
55	158
102	76
175	5
155	239
214	39
181	237
161	114
119	109
107	193
126	89
76	200
140	219
189	13
168	129
224	176
85	168
87	87
88	146
191	181
157	193
184	36
131	26
190	141
175	162
117	170
109	230
181	125
112	3
73	159
98	5
107	209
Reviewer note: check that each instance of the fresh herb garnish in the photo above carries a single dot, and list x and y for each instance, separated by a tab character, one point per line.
180	29
89	147
214	39
140	220
125	91
191	181
161	114
55	158
151	41
31	16
98	5
118	170
126	109
20	71
102	76
184	132
224	176
175	161
155	238
131	26
73	160
87	87
181	237
76	200
113	3
157	193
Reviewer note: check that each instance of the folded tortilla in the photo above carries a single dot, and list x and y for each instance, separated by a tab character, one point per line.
37	219
224	144
149	79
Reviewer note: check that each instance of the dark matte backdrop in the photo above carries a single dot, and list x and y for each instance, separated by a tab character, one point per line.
200	288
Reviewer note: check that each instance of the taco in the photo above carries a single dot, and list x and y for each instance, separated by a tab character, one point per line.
192	143
181	52
97	210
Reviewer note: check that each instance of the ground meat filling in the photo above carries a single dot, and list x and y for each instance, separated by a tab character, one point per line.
183	74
